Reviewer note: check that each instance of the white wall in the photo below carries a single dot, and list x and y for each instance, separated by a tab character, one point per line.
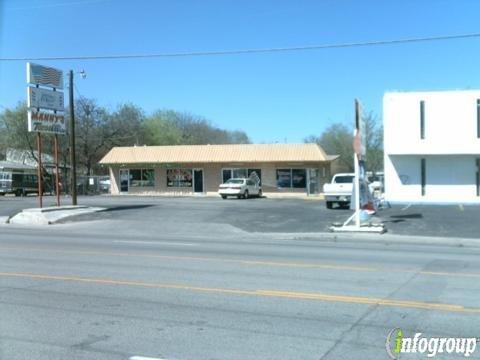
450	122
450	146
402	178
449	179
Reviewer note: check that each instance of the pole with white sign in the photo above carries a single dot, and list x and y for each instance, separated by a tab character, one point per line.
359	149
45	99
45	113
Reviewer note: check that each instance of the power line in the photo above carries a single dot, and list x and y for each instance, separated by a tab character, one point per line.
251	51
70	3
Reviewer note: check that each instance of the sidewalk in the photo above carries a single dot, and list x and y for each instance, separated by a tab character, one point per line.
48	215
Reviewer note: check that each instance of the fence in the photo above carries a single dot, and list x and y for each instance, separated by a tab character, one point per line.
93	185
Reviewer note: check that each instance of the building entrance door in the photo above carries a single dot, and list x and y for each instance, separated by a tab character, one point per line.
198	180
312	182
124	180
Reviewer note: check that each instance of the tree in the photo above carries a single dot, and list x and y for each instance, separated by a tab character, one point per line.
127	121
337	139
14	134
98	130
374	140
91	133
168	127
160	129
14	130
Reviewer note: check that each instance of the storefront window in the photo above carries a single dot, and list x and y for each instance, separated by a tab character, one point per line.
292	178
226	175
284	178
148	177
142	177
239	173
299	178
179	178
254	174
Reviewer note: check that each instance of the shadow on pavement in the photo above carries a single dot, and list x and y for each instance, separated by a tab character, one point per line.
407	216
128	207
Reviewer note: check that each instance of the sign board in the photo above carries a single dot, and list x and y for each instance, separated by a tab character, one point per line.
45	99
179	178
45	76
360	137
42	121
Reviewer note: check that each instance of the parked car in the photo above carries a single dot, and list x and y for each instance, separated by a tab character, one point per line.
376	183
339	191
241	188
104	185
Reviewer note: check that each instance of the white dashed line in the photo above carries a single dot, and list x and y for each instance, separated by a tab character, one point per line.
153	243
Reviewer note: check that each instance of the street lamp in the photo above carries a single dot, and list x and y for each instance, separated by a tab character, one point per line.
73	161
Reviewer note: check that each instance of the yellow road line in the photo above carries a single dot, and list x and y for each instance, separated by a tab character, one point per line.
259	292
252	262
198	258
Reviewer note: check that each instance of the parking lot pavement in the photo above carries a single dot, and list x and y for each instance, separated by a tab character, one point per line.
262	215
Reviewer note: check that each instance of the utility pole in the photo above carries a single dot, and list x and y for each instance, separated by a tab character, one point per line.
73	162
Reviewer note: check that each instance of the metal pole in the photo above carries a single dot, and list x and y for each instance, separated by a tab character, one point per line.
357	192
57	175
39	170
73	164
356	166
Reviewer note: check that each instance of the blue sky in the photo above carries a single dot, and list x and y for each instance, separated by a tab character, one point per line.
273	97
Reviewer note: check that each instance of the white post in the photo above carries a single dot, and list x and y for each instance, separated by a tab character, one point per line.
357	190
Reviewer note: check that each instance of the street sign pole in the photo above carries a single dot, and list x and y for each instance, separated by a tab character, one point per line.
73	163
45	113
57	175
356	155
353	223
39	170
357	190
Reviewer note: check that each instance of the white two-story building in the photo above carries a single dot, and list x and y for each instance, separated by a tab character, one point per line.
432	146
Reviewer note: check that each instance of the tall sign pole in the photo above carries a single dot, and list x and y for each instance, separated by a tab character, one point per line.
39	170
73	163
359	185
57	182
45	112
358	149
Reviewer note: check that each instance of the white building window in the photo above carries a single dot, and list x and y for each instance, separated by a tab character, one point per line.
478	176
478	118
423	175
422	119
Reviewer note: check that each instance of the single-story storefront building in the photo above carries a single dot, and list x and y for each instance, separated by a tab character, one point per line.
287	168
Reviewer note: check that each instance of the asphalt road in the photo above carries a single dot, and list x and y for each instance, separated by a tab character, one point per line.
267	215
185	287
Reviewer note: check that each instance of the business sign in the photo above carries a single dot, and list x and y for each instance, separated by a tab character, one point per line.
360	137
45	76
179	178
45	99
41	121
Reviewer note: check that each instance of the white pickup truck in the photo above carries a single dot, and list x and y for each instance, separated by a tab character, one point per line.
339	190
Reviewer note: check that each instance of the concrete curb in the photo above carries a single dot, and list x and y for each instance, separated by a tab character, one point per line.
386	238
49	215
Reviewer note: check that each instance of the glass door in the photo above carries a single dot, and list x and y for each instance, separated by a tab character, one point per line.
124	180
198	180
313	181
